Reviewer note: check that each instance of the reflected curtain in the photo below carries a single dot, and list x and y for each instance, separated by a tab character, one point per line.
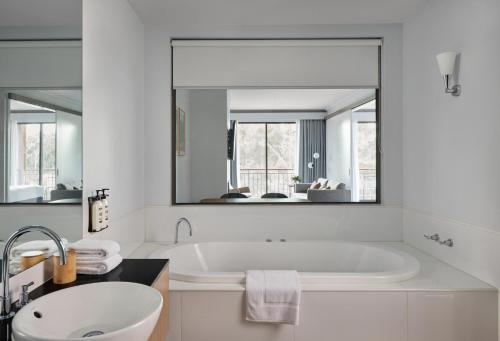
312	140
233	164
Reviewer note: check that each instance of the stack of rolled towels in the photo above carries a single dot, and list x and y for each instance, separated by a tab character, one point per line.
96	257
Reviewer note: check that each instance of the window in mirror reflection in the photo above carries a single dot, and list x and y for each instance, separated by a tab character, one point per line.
33	155
278	145
364	154
44	146
267	157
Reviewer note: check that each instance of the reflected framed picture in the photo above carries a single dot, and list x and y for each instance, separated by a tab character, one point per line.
180	147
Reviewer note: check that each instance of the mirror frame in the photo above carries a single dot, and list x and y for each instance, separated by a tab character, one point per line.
378	137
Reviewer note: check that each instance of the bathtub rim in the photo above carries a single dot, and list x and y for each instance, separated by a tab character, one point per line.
409	270
434	275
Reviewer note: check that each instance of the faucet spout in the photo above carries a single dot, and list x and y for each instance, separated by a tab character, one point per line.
6	300
177	225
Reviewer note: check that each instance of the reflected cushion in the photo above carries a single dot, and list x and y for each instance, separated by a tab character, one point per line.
315	185
323	183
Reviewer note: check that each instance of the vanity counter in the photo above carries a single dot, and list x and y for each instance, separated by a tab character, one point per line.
150	272
142	271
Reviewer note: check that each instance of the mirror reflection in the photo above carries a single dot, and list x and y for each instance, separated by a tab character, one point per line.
43	158
276	146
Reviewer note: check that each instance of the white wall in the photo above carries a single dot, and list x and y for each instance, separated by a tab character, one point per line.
338	148
113	106
451	163
202	171
208	137
230	222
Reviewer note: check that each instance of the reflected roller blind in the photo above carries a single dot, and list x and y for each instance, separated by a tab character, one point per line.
40	64
276	63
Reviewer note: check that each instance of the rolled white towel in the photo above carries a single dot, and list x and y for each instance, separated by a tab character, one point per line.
98	267
47	246
94	250
15	265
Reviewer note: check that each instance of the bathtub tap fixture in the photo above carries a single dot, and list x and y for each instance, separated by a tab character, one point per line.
6	300
448	242
434	237
178	224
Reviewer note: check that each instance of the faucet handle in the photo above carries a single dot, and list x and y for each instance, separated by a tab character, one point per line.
24	298
448	242
26	286
434	237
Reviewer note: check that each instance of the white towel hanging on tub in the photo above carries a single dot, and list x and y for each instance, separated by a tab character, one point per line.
273	296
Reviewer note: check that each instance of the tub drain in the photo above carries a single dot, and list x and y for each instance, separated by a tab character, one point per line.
93	333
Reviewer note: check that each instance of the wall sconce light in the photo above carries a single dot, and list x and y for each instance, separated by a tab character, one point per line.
446	62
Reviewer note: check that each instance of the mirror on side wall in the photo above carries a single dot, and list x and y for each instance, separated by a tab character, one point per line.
40	124
266	146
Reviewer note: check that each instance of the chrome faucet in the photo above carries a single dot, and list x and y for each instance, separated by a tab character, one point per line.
6	300
179	222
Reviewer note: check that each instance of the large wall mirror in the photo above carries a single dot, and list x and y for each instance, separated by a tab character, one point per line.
40	122
276	121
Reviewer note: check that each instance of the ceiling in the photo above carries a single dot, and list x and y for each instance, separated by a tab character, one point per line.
15	13
275	12
32	13
329	100
68	98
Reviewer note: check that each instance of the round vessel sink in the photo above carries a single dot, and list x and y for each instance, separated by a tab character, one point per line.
100	311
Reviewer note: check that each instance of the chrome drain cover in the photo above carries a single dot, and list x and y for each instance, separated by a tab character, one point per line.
93	333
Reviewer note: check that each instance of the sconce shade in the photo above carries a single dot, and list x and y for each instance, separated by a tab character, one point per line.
446	62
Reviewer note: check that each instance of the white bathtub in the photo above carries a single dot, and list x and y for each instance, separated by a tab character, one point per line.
318	262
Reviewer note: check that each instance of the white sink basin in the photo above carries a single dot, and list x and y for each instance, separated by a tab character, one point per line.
100	311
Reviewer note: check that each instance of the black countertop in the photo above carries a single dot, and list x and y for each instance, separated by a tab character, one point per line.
142	271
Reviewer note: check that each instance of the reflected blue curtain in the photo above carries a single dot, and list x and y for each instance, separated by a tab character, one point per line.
312	140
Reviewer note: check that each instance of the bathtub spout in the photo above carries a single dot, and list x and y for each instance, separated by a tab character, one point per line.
178	224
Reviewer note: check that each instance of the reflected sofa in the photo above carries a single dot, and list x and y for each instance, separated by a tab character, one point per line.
338	194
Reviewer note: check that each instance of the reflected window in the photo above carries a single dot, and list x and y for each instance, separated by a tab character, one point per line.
364	157
34	156
267	153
